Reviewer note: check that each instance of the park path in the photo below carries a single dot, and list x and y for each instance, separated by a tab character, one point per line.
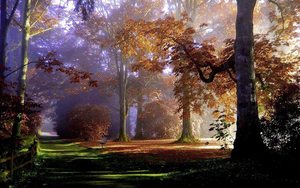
68	165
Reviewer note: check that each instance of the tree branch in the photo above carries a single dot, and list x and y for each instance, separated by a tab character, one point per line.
13	12
37	33
40	15
21	68
281	12
231	76
215	69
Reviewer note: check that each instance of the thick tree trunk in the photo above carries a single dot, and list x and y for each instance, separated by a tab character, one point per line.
122	73
16	130
187	128
248	141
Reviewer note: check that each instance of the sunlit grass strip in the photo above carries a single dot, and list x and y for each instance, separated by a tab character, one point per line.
106	176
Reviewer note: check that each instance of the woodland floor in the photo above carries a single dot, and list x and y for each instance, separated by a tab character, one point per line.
151	163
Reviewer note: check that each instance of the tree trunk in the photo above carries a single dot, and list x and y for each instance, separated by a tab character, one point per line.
123	117
139	127
16	130
122	73
248	141
3	32
187	128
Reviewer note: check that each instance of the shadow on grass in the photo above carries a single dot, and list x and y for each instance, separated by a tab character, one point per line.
68	165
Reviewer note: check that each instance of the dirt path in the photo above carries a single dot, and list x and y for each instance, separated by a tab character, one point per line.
117	164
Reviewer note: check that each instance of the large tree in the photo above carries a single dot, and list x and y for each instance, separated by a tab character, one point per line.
30	17
248	140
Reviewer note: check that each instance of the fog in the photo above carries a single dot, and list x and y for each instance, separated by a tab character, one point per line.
126	66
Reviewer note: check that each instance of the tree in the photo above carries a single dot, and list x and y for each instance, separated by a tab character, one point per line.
25	26
204	59
151	87
248	140
112	18
187	129
5	22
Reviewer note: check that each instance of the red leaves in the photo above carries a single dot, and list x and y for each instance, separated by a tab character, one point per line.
88	122
48	63
10	107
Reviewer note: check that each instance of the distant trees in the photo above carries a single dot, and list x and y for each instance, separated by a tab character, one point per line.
159	121
89	122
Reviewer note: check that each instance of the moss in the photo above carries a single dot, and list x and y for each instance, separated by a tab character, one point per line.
188	140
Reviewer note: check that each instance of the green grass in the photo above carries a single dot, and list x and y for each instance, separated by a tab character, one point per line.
66	165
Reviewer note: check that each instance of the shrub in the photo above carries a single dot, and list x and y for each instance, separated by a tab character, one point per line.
89	122
32	123
281	132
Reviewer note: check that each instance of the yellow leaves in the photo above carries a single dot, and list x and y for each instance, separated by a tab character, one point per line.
212	104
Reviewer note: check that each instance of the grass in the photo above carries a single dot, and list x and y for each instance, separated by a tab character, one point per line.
157	163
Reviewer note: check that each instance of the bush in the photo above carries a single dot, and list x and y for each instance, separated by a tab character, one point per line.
158	121
281	132
89	122
32	123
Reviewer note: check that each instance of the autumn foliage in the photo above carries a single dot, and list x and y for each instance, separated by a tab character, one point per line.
88	122
159	121
10	107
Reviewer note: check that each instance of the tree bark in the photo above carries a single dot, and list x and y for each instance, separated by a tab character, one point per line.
16	130
187	128
139	127
122	81
248	141
3	32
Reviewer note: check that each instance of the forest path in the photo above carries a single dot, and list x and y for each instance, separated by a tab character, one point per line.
68	165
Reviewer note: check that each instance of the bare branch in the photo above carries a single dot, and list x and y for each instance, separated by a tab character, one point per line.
230	63
44	11
37	33
13	12
281	12
21	68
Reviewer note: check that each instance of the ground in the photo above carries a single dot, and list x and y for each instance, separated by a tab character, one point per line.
162	150
151	163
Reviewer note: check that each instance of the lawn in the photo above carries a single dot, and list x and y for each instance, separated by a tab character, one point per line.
158	151
153	163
